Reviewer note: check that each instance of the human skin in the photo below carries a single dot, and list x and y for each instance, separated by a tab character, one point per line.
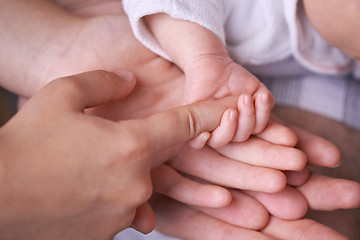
110	60
157	100
58	178
348	140
210	72
342	33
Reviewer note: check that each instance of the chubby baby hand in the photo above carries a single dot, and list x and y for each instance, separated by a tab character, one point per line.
238	124
217	77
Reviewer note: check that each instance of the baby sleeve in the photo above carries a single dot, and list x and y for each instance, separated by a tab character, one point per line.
207	13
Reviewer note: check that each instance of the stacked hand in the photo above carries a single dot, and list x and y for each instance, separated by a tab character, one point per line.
105	42
61	167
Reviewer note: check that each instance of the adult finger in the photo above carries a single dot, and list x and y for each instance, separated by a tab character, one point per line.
144	220
171	183
88	89
262	153
304	229
178	125
287	204
319	151
325	193
177	220
209	165
277	133
243	211
297	178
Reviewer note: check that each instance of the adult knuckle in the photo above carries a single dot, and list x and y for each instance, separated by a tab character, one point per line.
133	144
193	121
105	76
307	228
67	85
143	190
136	146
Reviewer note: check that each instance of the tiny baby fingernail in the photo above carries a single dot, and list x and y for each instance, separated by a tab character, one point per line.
247	100
204	136
233	116
264	97
126	75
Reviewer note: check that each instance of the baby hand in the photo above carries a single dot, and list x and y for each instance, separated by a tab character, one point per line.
218	76
237	124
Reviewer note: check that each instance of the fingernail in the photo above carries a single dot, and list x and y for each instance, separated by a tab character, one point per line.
126	75
204	136
233	115
337	165
264	97
247	100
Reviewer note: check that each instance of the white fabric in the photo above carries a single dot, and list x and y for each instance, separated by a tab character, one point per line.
257	32
204	12
273	39
131	234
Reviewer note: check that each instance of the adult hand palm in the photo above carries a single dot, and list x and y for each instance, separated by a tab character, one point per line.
81	41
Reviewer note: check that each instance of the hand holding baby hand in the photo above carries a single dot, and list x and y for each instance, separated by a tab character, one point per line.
65	171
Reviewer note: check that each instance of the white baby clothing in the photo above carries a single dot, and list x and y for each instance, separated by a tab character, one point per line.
272	39
256	32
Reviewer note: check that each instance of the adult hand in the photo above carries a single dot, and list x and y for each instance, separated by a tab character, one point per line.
91	43
173	218
287	204
51	39
70	175
322	193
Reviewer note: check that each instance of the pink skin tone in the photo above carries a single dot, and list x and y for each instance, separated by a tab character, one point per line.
211	73
234	125
342	33
71	183
165	78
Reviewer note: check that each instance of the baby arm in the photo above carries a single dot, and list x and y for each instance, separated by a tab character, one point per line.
210	72
184	41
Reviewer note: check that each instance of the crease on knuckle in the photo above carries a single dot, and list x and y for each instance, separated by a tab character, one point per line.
307	227
194	123
136	147
106	77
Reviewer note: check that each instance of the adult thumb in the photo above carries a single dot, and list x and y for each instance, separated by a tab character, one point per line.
88	89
